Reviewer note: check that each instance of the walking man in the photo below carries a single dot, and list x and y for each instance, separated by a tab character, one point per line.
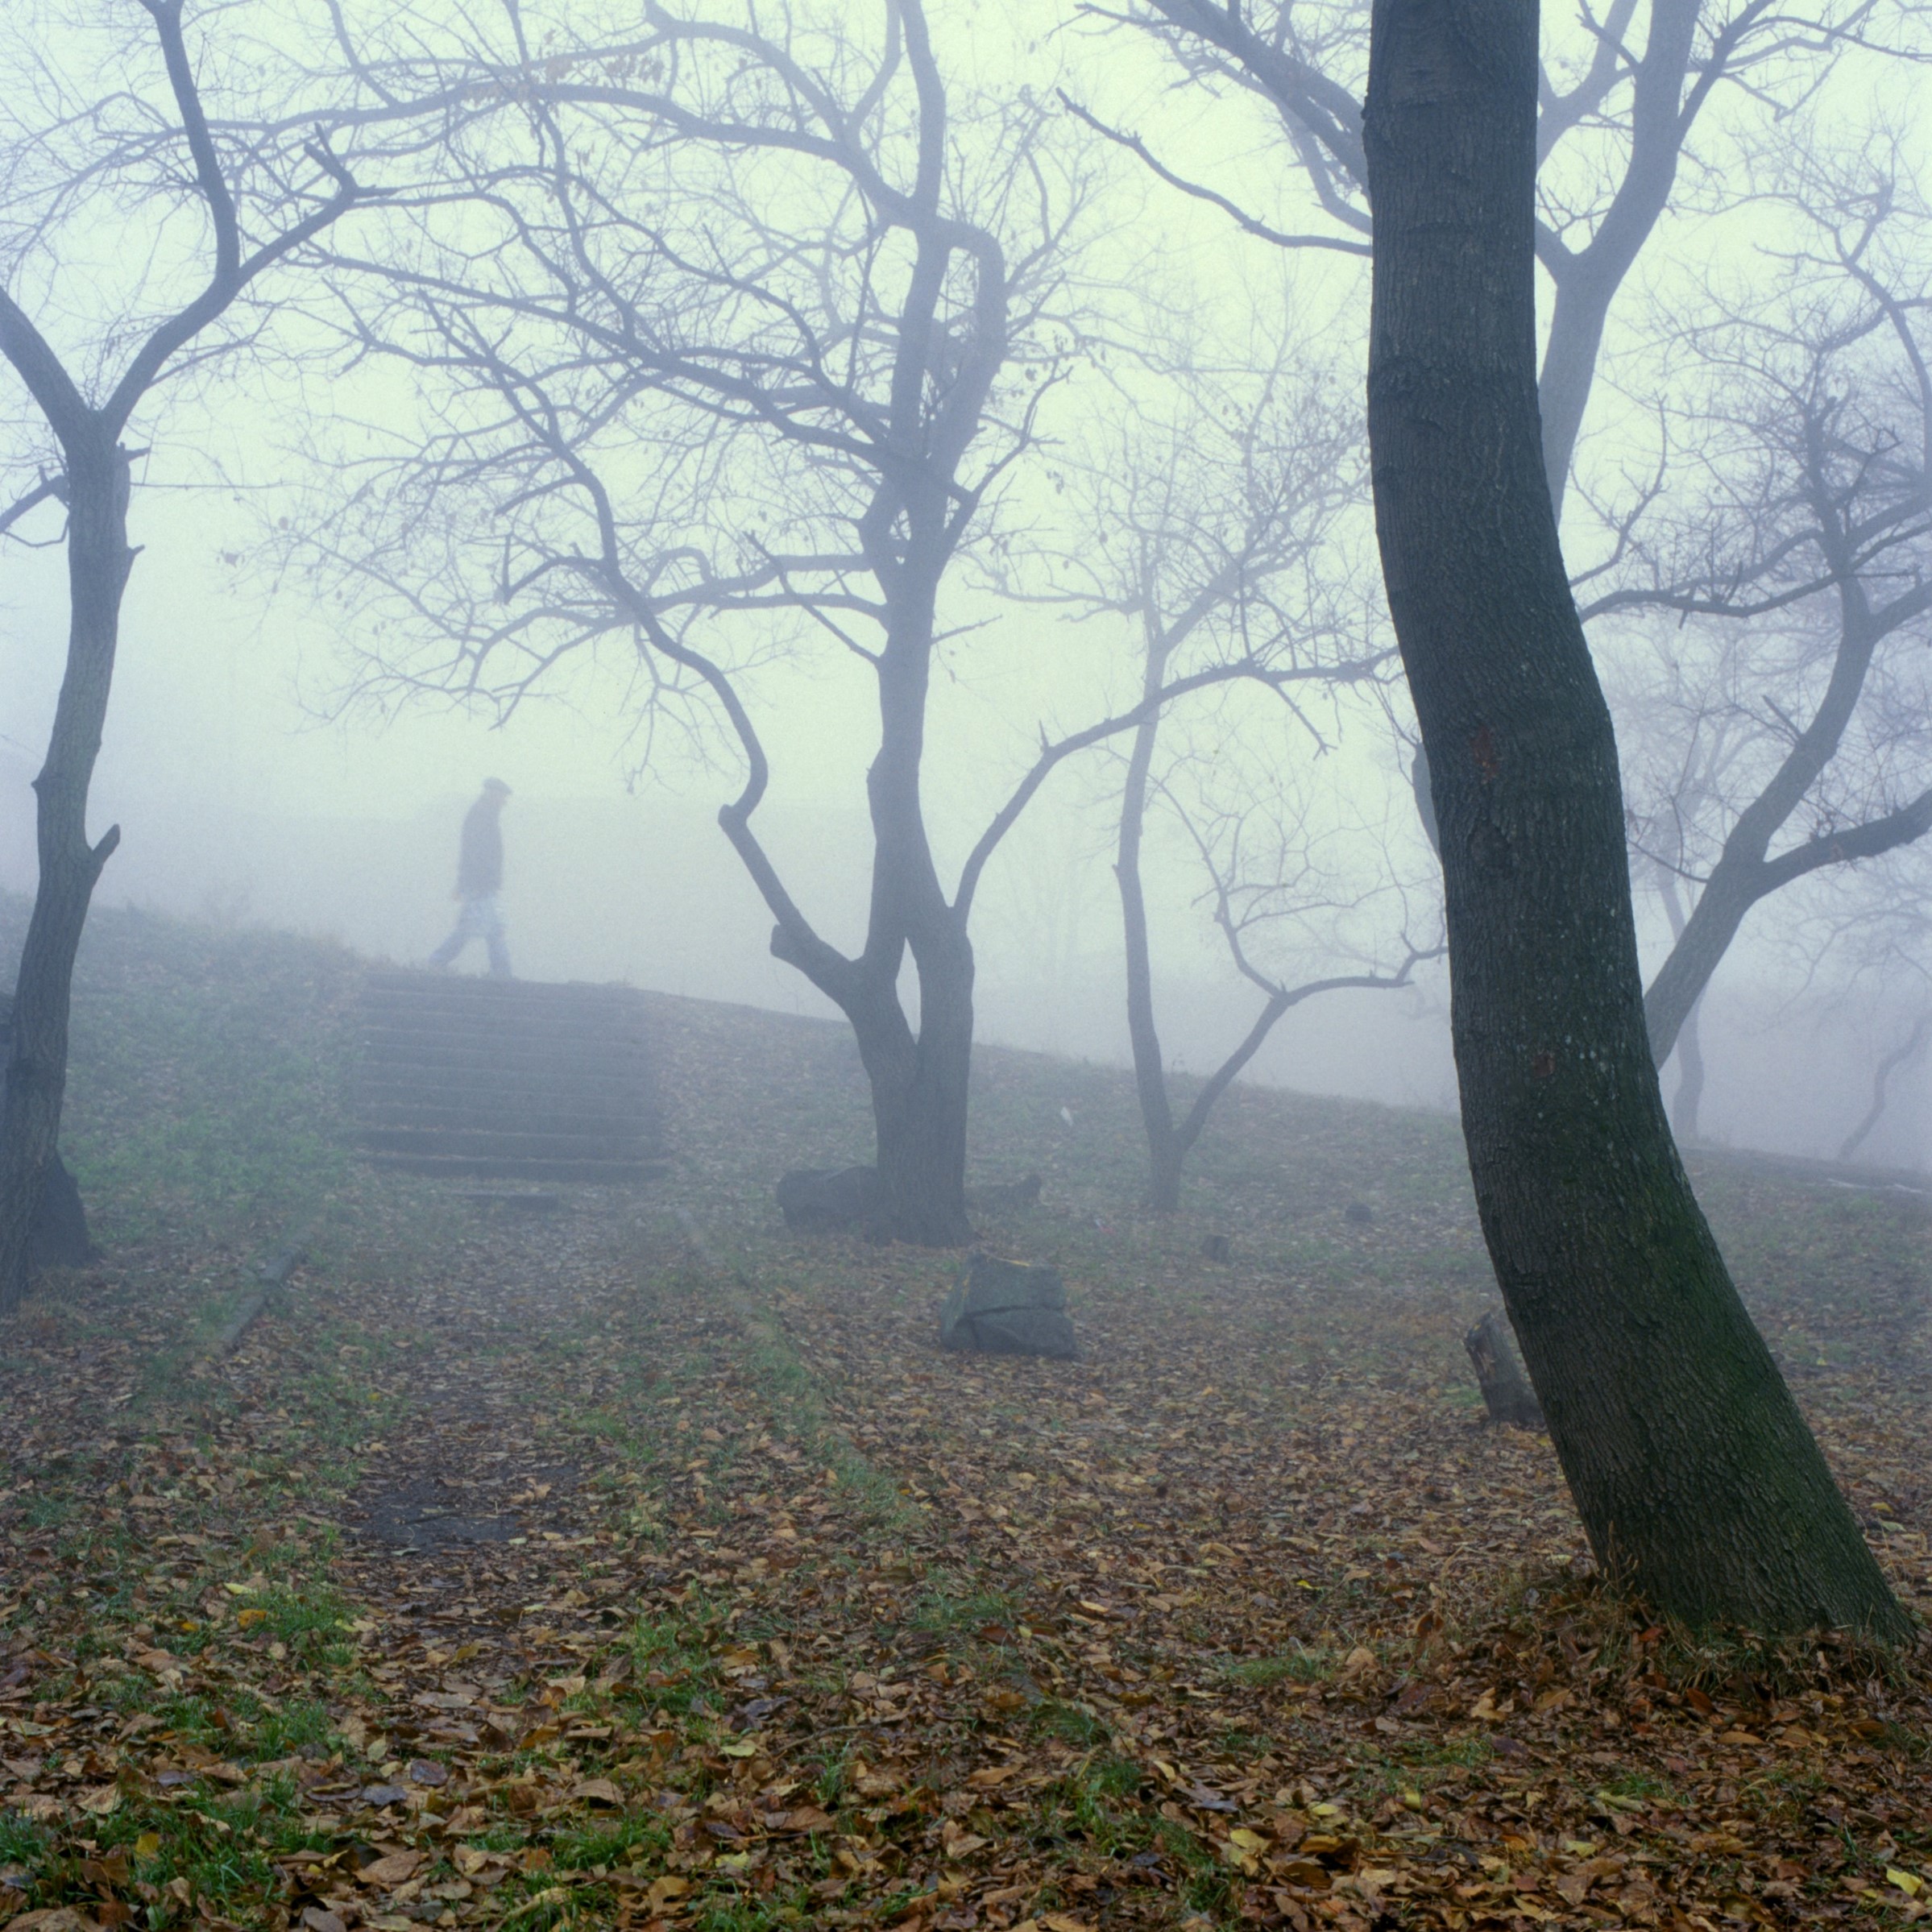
479	880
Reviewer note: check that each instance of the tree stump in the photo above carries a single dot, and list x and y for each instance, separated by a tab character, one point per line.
1506	1391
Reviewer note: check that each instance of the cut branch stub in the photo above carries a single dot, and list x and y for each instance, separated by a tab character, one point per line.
1506	1391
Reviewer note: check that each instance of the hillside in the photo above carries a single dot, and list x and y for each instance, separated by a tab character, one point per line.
644	1564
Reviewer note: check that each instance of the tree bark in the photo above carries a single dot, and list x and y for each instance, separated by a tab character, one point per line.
1698	1483
920	1093
98	560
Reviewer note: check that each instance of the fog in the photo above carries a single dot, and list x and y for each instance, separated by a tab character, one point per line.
250	791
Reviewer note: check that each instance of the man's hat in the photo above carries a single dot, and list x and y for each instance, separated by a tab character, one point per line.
496	785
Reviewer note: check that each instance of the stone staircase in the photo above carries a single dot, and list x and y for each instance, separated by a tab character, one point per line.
506	1079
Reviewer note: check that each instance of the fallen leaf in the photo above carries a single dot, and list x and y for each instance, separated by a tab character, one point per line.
394	1868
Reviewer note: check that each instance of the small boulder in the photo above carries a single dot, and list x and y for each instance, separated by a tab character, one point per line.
820	1200
1358	1214
1005	1307
1217	1247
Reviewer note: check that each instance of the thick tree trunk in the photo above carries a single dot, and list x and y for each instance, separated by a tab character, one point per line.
1698	1482
921	1092
921	1083
98	563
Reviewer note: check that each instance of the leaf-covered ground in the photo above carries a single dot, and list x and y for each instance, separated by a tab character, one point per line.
642	1564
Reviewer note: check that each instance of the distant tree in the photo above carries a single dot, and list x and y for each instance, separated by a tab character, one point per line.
1302	887
1616	124
1698	1482
121	177
731	333
1903	1054
1793	685
1619	123
1217	523
1862	935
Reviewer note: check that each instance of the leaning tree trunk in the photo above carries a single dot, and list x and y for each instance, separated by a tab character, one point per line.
97	562
1698	1482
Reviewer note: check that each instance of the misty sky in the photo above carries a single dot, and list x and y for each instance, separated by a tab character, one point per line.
242	797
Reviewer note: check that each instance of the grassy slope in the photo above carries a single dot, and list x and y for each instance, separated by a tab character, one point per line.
207	1095
205	1085
209	1076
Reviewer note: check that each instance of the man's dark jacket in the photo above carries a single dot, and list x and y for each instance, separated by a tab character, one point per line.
480	870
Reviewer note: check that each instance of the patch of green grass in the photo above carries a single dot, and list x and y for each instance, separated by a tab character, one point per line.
22	1842
1070	1723
1292	1667
1640	1784
1465	1753
618	1841
835	1769
789	1906
1236	1743
950	1605
312	1620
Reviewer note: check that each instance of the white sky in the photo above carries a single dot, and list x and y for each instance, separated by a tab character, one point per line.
238	799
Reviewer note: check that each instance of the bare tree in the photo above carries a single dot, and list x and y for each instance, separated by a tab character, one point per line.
1698	1482
1902	1055
1793	687
1298	895
136	149
734	336
1617	122
1218	525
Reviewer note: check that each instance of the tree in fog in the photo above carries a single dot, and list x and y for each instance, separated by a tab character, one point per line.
731	336
1861	937
1630	108
1789	694
133	232
1698	1482
1618	124
1216	524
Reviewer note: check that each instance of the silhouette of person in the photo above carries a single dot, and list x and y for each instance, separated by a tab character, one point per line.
479	880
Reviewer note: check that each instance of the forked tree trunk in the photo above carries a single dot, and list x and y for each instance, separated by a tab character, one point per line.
1698	1482
921	1082
98	563
920	1091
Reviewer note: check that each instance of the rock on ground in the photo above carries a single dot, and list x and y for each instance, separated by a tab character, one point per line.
1006	1308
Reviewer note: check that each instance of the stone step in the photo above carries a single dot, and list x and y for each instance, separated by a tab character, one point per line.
478	1032
380	1115
505	1168
509	1143
454	988
506	1079
426	1048
628	1088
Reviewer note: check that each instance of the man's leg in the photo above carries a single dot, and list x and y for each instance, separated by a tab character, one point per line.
441	959
493	938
